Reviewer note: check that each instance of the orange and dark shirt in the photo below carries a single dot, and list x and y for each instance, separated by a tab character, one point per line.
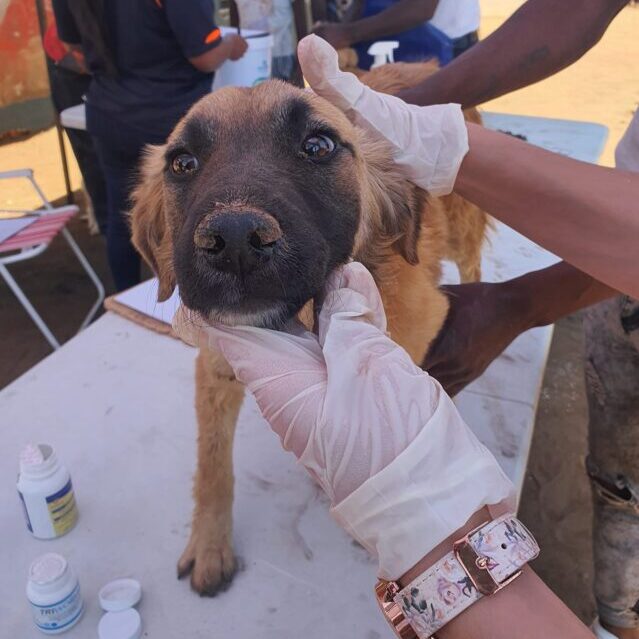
151	42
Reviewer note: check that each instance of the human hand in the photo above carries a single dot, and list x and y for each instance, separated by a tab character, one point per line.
483	319
237	45
339	36
401	468
429	143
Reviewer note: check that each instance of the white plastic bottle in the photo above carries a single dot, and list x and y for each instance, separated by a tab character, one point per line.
382	52
53	591
46	492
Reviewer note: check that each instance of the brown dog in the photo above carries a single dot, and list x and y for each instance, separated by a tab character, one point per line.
257	196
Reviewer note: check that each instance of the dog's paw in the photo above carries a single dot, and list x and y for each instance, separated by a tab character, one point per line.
210	565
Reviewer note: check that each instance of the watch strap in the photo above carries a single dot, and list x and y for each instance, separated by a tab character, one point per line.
482	563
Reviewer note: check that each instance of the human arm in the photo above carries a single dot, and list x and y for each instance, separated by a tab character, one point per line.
484	318
526	609
199	37
586	214
356	412
538	40
231	47
398	17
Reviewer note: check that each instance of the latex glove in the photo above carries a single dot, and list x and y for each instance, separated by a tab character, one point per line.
401	468
429	143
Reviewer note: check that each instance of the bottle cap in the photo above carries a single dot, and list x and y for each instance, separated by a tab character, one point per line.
120	594
47	568
125	624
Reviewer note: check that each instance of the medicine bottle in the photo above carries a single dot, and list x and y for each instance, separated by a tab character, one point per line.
46	492
53	591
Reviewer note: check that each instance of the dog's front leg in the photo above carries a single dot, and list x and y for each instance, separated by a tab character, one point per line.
209	553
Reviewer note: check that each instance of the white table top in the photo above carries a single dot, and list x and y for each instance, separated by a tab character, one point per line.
116	402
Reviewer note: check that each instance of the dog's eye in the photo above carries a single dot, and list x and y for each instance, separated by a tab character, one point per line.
184	163
318	146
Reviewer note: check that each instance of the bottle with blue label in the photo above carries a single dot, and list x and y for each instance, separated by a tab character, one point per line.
53	591
46	492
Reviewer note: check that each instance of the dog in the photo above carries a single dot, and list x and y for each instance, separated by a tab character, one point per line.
258	194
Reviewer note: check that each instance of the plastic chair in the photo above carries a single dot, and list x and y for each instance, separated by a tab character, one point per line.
34	240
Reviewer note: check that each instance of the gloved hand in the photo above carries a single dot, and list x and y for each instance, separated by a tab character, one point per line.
429	143
401	468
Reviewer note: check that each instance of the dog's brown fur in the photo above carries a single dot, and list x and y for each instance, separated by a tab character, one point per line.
405	262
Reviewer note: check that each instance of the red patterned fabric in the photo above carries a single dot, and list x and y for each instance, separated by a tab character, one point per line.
40	232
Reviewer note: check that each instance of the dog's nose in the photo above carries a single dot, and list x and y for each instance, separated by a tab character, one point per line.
237	241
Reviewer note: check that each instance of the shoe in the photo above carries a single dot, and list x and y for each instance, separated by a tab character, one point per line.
600	631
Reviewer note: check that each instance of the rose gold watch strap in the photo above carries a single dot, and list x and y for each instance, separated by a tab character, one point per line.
483	562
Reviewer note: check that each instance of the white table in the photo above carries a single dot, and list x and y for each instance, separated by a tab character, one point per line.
117	404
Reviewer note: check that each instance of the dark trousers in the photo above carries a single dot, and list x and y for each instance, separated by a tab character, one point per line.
119	148
67	90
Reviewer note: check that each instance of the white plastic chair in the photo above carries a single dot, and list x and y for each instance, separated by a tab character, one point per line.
33	240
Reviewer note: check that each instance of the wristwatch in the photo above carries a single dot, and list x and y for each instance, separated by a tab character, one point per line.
481	563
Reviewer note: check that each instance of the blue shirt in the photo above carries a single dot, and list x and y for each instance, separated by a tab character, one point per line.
150	42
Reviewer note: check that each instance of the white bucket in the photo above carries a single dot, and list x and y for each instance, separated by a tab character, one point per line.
253	67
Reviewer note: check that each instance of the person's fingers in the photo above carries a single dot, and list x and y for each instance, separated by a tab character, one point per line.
319	63
351	295
285	373
258	354
352	327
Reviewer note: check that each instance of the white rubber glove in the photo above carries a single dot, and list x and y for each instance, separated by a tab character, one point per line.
401	468
429	143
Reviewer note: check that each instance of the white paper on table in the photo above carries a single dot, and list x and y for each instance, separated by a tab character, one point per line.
144	299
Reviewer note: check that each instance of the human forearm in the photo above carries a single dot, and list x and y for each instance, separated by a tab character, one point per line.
232	47
584	213
399	17
531	45
526	609
545	296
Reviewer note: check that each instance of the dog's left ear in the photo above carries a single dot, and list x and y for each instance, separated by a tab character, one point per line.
392	207
151	234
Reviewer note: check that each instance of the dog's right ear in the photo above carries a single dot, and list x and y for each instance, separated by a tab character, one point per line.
151	234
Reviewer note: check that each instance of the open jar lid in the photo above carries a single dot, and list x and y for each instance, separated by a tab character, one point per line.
120	594
125	624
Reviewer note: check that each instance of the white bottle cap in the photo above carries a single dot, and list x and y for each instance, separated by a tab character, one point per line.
125	624
47	568
120	594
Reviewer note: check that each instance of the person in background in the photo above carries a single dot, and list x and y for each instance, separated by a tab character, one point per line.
276	17
150	61
454	20
69	80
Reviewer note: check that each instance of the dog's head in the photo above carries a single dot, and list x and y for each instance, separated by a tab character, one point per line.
258	195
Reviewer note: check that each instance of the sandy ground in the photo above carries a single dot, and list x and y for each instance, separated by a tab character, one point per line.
602	87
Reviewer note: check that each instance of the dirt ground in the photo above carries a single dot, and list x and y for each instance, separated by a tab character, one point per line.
601	87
